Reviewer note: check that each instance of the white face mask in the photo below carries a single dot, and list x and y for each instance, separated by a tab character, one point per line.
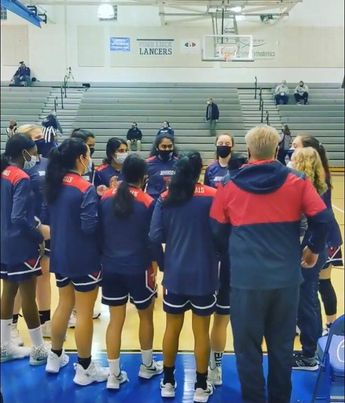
120	157
30	164
89	167
86	167
290	164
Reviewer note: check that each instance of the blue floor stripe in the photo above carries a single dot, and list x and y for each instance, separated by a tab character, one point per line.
21	383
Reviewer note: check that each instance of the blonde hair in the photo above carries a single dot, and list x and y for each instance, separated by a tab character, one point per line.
307	160
262	142
28	130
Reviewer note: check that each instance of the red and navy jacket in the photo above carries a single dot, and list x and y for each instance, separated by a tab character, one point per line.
74	222
37	176
104	173
257	214
126	247
19	236
190	263
159	175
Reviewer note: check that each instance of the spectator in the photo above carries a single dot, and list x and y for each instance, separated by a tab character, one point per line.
265	271
284	145
12	127
281	93
134	137
22	77
212	116
301	93
166	129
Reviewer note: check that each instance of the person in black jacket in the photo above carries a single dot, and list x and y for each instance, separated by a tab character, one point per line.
212	116
134	137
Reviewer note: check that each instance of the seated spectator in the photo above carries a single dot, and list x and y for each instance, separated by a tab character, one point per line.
166	129
281	93
134	136
22	77
12	127
301	93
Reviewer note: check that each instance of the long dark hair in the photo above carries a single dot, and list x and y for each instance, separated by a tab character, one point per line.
61	160
14	148
154	151
310	141
182	186
133	170
82	134
113	145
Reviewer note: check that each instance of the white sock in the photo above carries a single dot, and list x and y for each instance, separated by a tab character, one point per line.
114	366
146	357
216	359
6	325
36	336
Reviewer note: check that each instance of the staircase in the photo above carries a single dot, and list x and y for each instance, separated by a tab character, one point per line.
250	109
68	113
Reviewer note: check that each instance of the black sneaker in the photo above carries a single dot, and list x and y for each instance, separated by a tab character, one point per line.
303	363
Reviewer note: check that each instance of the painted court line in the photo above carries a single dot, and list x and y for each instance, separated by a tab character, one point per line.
338	209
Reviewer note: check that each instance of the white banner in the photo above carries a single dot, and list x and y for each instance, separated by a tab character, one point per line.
155	47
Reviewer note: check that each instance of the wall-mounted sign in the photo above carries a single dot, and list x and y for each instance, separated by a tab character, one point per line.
264	49
120	44
190	45
155	47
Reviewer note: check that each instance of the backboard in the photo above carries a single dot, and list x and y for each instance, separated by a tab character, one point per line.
228	48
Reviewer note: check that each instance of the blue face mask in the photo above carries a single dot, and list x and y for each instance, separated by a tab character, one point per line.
30	164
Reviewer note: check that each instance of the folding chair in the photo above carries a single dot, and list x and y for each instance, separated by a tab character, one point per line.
329	385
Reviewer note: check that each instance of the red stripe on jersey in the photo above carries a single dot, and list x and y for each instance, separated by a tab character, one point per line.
203	190
101	167
14	174
76	181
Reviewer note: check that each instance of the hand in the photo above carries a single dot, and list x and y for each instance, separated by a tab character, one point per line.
113	183
41	249
45	231
309	259
101	189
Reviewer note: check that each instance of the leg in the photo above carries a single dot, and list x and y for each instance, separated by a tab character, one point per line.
328	295
305	98
27	290
129	144
174	323
201	326
248	336
285	99
9	291
43	291
297	98
138	145
146	330
218	335
213	125
280	329
114	331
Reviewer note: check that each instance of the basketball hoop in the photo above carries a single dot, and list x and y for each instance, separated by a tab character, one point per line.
228	52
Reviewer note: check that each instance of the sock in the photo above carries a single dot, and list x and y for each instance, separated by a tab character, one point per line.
36	336
328	325
216	359
201	380
44	316
57	352
15	318
5	331
114	366
169	375
146	356
84	362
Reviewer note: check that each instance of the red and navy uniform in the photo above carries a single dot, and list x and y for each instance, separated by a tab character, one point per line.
104	173
159	175
19	235
73	216
190	263
127	252
37	176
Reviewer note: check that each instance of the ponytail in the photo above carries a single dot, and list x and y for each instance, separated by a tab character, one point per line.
123	201
182	186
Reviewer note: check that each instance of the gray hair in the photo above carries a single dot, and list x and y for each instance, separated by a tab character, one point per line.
262	142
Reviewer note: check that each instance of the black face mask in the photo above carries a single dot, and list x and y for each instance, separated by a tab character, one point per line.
40	144
92	150
223	151
165	155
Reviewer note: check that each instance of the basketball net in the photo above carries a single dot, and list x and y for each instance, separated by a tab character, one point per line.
229	53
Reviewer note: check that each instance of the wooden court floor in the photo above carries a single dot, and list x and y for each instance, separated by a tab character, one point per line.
130	333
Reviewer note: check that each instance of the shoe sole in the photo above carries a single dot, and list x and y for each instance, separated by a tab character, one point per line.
37	363
306	368
165	394
54	371
202	400
90	382
149	376
13	358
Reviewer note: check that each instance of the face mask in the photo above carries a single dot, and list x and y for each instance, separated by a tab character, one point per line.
89	167
92	150
30	164
120	157
165	155
86	167
223	151
289	164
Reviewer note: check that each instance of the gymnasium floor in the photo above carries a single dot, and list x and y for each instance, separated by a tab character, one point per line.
37	387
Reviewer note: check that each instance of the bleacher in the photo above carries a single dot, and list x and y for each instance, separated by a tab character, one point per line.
322	118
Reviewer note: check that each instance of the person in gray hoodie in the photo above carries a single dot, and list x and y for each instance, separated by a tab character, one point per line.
281	93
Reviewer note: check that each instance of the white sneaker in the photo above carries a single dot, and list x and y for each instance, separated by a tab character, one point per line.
202	395
46	329
94	373
167	389
114	381
155	368
215	376
15	336
54	362
38	355
298	331
72	320
11	352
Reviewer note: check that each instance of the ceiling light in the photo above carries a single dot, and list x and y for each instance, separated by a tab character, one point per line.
236	9
106	12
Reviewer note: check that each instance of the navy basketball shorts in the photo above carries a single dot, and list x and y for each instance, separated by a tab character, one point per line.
21	271
141	288
204	305
82	283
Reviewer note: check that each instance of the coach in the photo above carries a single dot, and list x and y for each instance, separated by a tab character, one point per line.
257	213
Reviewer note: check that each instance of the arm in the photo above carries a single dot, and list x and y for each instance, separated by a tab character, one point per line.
89	211
156	249
220	223
157	234
216	112
19	214
207	181
140	136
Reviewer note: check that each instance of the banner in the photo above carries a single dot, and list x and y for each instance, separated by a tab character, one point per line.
120	44
155	47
